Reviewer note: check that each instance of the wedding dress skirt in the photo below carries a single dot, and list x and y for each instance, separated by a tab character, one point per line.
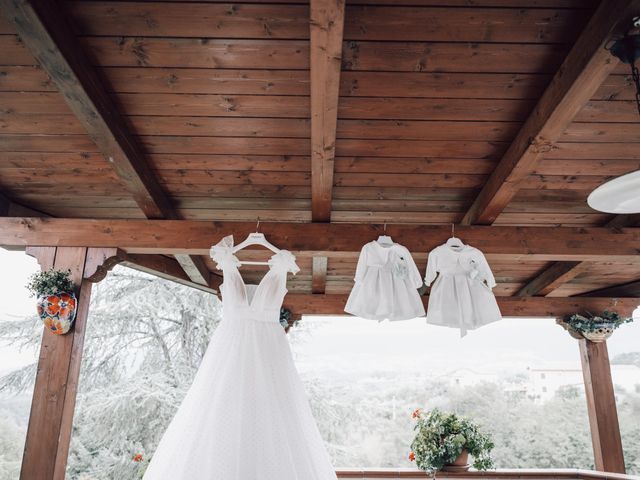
246	416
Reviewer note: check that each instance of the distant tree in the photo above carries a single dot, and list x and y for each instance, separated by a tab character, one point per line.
144	341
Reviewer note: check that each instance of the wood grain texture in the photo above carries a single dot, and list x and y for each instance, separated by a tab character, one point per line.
561	273
327	27
631	289
51	417
43	28
550	279
290	21
333	304
169	269
319	275
196	237
601	407
583	71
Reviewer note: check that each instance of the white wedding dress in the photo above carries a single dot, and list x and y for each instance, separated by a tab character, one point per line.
246	416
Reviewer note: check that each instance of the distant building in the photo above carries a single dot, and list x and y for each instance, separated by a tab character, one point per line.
545	383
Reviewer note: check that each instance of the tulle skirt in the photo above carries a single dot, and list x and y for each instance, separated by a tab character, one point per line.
246	416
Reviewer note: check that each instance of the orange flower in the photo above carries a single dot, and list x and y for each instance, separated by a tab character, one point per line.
412	456
137	457
61	305
53	325
416	413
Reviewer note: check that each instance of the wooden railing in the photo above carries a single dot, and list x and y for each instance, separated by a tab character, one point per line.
541	474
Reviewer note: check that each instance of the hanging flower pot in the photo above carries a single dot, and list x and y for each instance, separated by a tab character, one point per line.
57	304
596	328
57	311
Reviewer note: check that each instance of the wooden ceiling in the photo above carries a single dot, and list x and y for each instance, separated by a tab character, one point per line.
419	111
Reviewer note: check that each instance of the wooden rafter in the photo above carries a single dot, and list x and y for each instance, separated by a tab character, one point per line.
5	204
319	274
43	28
327	25
333	304
551	278
169	269
586	66
560	273
631	289
196	237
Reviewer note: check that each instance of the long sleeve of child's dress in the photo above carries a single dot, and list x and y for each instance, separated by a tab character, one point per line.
432	268
361	268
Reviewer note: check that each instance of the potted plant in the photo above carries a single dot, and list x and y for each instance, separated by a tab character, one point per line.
57	304
444	441
596	328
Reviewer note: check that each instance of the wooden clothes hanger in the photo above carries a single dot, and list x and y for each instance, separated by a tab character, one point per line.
256	238
385	240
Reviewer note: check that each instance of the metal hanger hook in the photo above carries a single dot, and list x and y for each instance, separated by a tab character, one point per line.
453	230
384	227
258	226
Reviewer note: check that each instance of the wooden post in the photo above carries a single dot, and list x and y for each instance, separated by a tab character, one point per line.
54	394
601	405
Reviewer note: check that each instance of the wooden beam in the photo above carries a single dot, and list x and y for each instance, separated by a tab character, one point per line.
327	26
631	289
319	274
601	406
586	66
43	28
196	237
5	203
556	275
195	268
333	304
54	394
169	269
563	272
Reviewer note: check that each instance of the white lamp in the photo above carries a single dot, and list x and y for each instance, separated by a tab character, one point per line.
620	195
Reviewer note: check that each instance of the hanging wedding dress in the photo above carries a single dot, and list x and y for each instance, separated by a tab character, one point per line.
246	416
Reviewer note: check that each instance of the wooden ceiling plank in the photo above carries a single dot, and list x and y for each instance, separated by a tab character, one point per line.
195	268
169	269
551	278
5	204
584	69
196	237
319	274
631	289
44	30
561	273
327	27
333	304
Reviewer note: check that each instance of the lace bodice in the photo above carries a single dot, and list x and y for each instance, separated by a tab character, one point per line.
258	301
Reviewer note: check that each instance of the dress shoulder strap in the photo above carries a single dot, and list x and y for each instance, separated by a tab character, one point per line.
222	254
285	260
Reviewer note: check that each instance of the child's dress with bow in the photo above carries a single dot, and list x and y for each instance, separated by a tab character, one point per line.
386	284
461	295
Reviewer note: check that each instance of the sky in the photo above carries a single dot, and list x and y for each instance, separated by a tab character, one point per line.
330	343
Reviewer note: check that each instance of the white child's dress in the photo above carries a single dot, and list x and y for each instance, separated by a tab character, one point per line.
461	296
386	284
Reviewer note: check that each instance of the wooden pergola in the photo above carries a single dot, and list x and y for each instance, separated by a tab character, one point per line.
142	132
